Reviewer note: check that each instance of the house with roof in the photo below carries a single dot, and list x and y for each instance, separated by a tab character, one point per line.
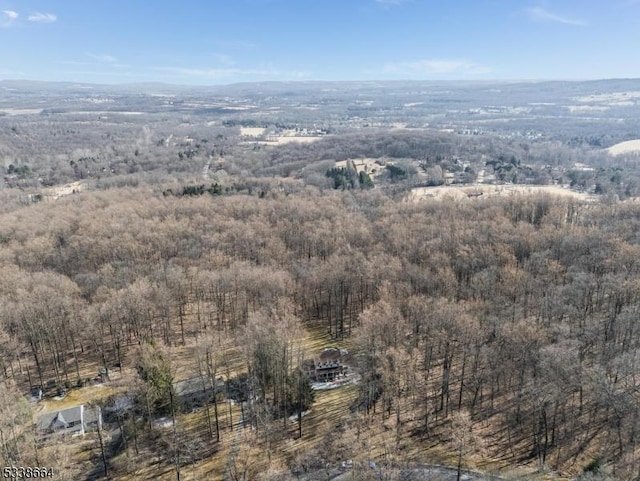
330	365
75	420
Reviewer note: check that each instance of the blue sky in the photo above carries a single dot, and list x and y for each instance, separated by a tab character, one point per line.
225	41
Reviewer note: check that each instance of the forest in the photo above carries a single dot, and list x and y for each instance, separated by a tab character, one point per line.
240	283
504	329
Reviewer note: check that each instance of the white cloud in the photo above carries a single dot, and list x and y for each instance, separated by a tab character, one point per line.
7	17
539	14
39	17
96	61
224	59
436	67
390	3
103	58
220	73
234	44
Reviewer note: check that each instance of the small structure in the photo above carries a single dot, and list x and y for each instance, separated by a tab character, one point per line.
103	374
75	420
329	365
35	394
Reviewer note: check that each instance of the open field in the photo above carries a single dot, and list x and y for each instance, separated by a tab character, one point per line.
252	131
64	190
588	108
21	111
611	98
285	139
630	146
471	192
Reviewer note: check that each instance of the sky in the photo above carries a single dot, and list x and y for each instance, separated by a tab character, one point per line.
209	42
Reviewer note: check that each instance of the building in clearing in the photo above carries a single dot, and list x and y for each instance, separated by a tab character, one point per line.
75	420
330	365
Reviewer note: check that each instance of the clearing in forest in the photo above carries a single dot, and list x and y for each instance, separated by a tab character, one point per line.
628	147
485	191
252	131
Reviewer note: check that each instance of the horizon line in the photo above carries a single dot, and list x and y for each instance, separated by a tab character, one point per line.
309	81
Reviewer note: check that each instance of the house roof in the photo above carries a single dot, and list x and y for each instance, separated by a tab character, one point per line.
328	365
54	420
65	416
331	354
59	419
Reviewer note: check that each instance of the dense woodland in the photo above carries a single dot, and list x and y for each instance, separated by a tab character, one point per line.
511	320
147	240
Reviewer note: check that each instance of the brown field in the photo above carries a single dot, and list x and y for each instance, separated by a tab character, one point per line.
290	139
630	146
454	192
64	190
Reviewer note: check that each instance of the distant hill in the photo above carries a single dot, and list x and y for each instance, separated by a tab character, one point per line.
551	88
